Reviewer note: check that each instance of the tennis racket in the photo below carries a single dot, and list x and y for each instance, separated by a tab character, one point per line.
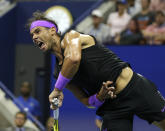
55	115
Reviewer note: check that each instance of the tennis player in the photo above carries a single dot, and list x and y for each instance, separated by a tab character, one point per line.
82	67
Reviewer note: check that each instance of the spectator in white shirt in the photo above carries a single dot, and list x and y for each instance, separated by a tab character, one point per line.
118	20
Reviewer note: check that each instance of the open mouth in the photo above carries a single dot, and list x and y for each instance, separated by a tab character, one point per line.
40	44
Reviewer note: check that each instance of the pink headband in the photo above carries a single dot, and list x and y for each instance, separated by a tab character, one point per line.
43	23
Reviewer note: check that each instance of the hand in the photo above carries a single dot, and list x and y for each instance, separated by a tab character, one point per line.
106	91
56	94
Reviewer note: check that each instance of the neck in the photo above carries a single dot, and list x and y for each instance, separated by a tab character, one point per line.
25	97
121	13
19	126
56	49
96	26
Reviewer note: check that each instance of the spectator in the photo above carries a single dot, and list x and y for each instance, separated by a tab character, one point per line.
145	17
118	20
30	104
131	35
99	30
20	119
157	5
155	33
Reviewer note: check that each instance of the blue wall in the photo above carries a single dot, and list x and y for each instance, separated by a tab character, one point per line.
146	60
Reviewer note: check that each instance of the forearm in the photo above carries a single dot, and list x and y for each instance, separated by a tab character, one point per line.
82	96
86	101
79	93
70	67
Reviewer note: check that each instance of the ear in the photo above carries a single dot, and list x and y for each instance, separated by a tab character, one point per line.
52	31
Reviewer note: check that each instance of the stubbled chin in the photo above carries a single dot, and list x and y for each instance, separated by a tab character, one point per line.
43	48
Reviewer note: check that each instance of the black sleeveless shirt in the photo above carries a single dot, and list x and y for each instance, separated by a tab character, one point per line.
98	64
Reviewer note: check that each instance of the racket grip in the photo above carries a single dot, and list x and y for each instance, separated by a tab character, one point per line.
56	114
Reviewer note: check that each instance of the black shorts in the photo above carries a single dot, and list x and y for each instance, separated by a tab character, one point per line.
140	98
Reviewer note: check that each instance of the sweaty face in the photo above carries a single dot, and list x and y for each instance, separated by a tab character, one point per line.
20	120
41	37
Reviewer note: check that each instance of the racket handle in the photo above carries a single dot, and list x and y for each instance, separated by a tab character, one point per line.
56	114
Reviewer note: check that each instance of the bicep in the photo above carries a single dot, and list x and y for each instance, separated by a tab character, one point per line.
73	48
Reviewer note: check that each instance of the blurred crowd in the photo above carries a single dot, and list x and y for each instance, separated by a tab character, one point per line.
134	22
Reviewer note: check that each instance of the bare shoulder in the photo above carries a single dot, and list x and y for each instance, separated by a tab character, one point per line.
83	39
72	34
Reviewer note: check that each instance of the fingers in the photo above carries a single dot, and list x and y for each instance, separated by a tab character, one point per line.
111	94
109	90
54	107
59	96
107	83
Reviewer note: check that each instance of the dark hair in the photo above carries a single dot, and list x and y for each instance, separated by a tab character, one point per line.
27	82
159	13
149	1
38	15
137	25
22	113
